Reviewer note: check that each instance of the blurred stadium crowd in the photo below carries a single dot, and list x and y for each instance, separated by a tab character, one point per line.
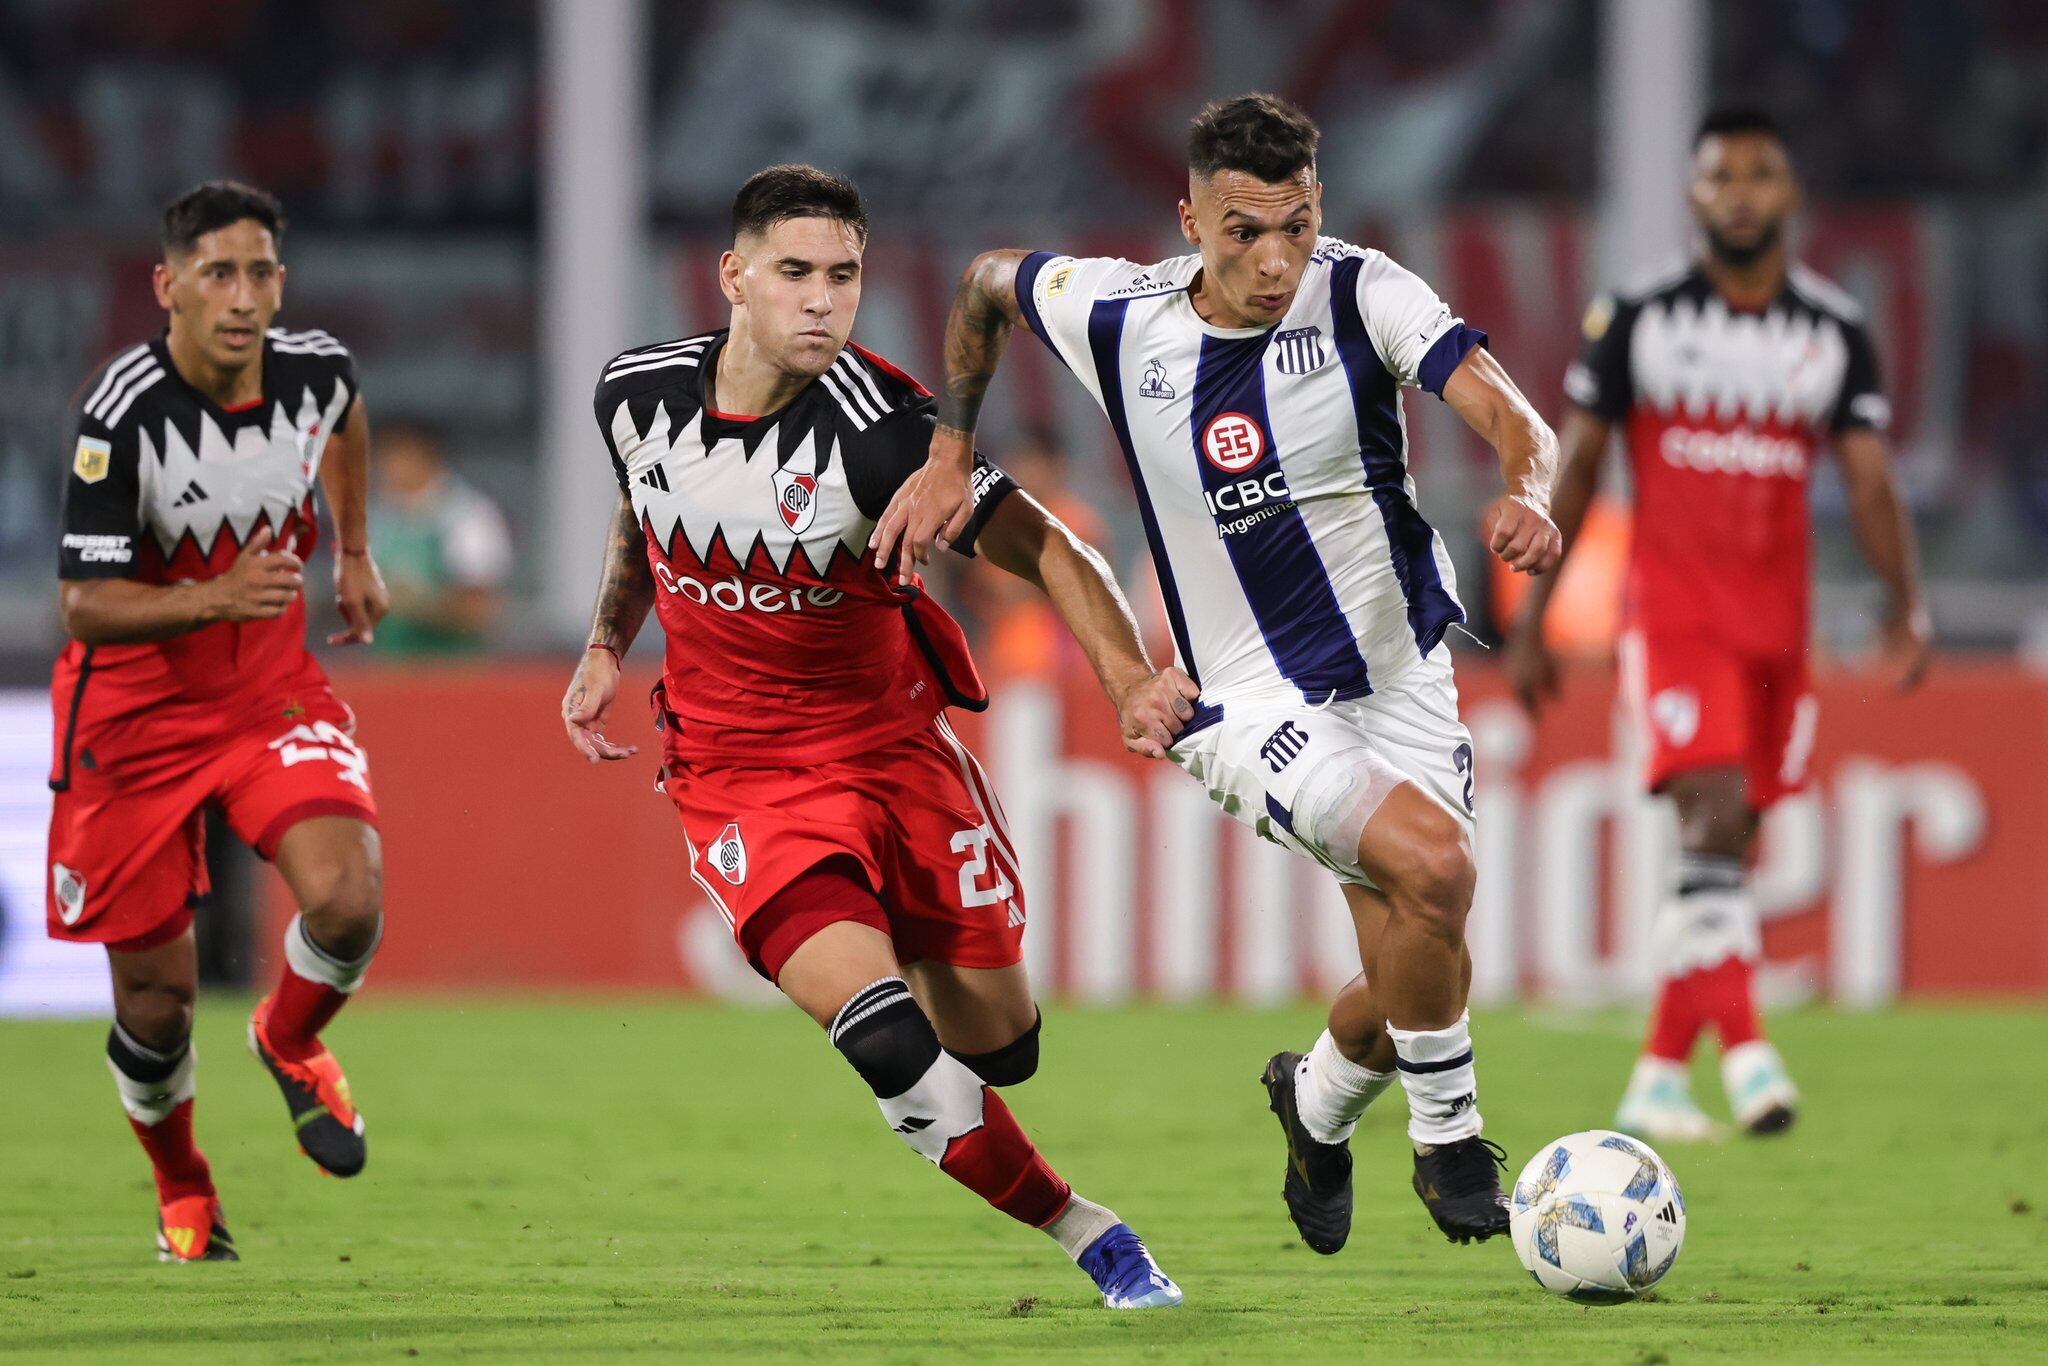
402	139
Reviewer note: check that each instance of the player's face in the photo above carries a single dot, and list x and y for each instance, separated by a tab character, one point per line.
1742	192
1255	237
798	283
223	293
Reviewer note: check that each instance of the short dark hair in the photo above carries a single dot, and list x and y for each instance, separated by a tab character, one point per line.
212	206
1723	119
1262	135
794	190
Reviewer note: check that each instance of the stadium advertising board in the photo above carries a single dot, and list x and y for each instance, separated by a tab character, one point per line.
1914	867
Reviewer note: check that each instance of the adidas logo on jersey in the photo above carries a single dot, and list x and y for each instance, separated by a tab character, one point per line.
193	494
656	478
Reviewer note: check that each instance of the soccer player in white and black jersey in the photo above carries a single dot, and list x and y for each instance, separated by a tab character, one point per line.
1254	389
852	843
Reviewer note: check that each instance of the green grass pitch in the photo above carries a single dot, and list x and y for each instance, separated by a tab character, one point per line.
602	1180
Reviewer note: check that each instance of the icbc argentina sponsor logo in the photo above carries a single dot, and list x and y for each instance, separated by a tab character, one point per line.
1233	442
734	594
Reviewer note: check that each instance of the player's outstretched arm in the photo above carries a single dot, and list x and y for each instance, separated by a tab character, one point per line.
625	593
258	586
359	592
934	504
1884	532
1532	672
1517	525
1152	704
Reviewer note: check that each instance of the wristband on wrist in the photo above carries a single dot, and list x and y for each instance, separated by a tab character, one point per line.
600	645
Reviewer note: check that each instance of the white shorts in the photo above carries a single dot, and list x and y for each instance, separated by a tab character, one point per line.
1308	778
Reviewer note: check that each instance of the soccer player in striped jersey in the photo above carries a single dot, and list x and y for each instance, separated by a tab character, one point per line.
851	841
1254	389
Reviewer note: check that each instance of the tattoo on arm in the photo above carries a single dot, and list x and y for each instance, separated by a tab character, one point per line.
625	592
984	310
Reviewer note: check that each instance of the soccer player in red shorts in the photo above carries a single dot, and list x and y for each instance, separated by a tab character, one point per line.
188	515
847	836
1727	378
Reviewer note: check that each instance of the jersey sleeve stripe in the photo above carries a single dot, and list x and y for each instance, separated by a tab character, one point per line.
127	382
860	421
127	360
1445	354
134	391
1027	294
684	361
874	409
667	349
843	370
867	382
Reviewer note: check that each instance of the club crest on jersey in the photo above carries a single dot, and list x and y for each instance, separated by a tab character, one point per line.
1233	442
69	885
1676	712
728	854
796	498
1301	350
90	463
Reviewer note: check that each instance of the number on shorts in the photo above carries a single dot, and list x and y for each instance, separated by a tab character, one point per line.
974	844
1461	760
324	740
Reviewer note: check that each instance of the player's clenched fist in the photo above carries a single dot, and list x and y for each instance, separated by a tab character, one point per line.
261	583
1153	711
589	699
1523	535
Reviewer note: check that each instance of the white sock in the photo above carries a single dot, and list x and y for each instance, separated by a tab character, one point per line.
316	964
151	1083
1331	1091
1437	1074
1077	1226
1709	918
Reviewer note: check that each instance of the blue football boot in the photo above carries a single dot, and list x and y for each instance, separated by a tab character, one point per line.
1126	1274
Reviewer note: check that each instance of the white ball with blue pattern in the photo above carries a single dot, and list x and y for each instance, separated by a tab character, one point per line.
1597	1217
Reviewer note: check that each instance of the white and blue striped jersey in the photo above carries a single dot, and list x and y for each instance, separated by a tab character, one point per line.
1270	464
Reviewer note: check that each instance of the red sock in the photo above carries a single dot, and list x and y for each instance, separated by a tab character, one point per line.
1677	1019
297	1011
999	1163
1728	998
181	1169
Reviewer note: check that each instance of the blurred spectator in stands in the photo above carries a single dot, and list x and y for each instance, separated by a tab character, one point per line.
1022	636
441	543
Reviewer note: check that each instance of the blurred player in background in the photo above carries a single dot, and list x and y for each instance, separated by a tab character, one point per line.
442	545
188	518
1726	378
1254	388
850	840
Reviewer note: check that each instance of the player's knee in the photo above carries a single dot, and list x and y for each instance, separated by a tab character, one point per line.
1434	876
156	1014
1015	1061
344	907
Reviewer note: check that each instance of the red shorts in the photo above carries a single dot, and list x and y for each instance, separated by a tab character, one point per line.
1701	705
127	839
917	815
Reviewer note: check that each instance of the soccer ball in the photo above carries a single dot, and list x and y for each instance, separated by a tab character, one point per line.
1597	1217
